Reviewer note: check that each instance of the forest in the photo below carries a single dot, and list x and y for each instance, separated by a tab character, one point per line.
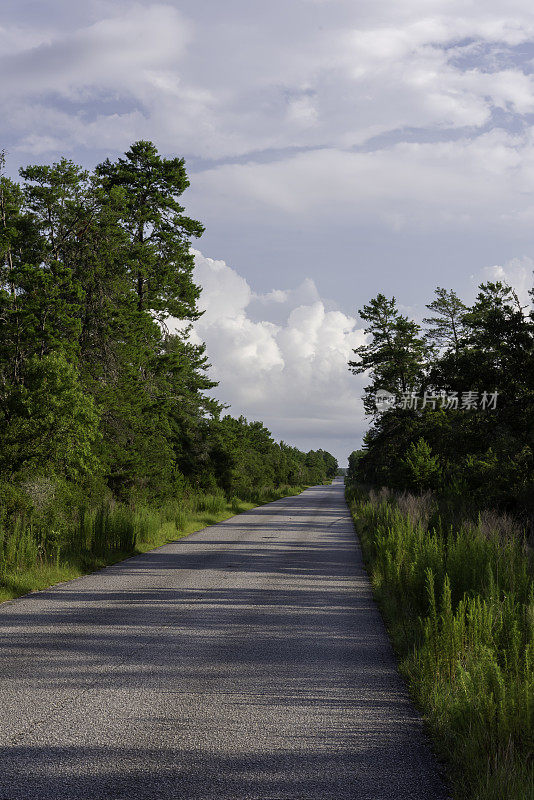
105	407
442	498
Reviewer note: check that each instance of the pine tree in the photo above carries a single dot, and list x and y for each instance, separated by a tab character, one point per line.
160	264
446	327
396	353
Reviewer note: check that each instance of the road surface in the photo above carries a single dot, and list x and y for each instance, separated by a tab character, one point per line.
245	662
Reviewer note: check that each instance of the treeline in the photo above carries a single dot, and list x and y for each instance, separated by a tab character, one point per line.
460	421
98	397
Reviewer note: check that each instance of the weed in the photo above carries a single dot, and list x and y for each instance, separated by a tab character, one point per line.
460	607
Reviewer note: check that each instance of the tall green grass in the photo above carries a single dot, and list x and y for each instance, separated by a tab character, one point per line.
459	604
46	543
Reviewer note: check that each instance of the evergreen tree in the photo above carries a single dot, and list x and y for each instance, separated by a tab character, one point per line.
160	264
395	355
446	326
53	425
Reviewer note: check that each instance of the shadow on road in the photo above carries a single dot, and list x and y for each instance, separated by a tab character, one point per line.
256	637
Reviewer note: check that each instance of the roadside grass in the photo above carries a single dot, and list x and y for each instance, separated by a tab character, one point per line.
459	607
38	552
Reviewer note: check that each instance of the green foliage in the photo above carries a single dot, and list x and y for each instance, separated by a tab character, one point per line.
50	531
485	453
446	328
104	414
352	475
461	610
423	471
246	461
395	354
52	425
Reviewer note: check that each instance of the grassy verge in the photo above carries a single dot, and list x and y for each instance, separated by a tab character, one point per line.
38	552
459	606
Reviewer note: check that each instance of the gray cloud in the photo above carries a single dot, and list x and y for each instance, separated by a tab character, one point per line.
309	75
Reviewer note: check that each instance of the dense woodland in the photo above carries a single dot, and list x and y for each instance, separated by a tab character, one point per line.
98	398
449	432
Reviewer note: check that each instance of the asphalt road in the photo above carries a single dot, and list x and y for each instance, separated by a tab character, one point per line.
245	662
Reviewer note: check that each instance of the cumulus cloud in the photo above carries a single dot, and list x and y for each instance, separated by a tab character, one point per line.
278	303
292	375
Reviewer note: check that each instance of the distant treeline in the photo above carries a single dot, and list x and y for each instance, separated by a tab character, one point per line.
95	391
460	421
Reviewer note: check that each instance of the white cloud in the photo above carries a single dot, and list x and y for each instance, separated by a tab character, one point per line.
467	183
271	78
517	272
302	111
293	376
125	51
278	303
225	294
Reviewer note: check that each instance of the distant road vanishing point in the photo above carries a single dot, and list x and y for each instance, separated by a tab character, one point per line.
247	661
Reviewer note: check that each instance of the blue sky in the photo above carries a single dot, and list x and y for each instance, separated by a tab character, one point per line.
335	149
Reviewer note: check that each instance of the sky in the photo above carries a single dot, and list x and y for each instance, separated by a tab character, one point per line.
336	149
